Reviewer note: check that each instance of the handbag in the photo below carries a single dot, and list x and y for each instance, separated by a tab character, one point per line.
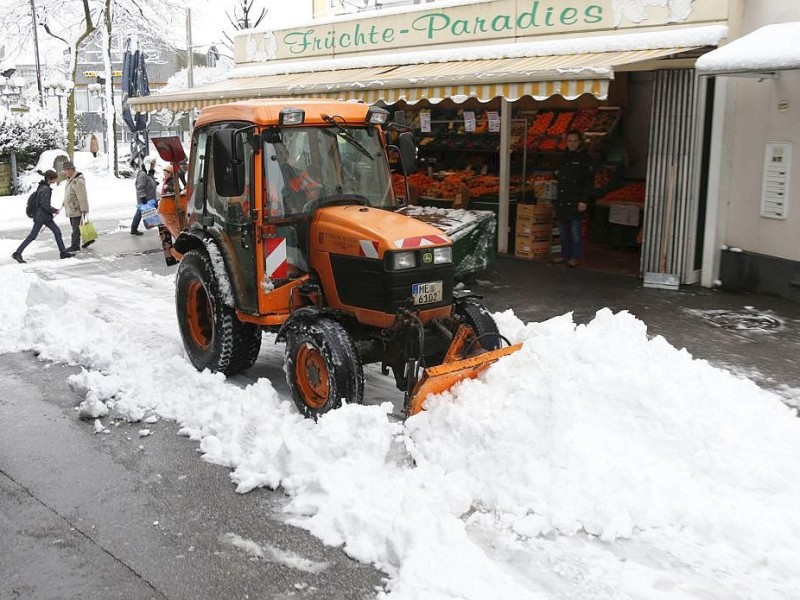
150	216
88	233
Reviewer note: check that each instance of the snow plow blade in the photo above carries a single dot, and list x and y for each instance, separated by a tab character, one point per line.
453	369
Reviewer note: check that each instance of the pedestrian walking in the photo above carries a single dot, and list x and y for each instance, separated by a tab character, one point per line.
146	190
575	182
76	203
43	217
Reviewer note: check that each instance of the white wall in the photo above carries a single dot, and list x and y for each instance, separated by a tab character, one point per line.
753	119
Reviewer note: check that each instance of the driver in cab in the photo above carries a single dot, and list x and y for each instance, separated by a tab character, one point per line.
291	188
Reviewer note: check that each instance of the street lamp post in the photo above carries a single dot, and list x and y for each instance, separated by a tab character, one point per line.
60	89
11	88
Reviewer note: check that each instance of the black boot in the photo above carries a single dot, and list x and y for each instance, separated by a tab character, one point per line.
18	257
66	254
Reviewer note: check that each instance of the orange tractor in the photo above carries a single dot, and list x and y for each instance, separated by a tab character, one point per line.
288	224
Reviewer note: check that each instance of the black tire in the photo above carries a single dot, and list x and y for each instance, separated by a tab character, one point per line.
213	337
477	316
322	366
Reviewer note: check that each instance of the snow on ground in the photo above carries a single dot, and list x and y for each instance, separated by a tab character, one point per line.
594	463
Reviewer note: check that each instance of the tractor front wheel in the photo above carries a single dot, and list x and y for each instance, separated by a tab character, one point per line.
478	317
323	367
213	337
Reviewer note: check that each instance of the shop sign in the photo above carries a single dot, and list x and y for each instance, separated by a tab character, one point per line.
425	121
494	121
93	74
469	121
775	184
498	21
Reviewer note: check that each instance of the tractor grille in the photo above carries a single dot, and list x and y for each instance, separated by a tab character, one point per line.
366	283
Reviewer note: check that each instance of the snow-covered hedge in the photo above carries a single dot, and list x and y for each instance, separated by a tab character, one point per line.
28	135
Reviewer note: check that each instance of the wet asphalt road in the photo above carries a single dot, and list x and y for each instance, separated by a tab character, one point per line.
107	516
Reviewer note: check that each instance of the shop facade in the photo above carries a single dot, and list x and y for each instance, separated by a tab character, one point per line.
492	87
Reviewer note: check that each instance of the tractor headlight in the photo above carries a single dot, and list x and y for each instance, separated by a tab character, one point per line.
291	116
443	255
403	260
377	115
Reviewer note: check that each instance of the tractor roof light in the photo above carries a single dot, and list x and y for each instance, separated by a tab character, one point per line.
377	116
292	116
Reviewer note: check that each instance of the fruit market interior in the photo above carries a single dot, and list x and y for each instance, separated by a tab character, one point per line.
459	165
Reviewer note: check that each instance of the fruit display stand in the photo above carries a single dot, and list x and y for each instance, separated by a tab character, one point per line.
473	232
617	216
547	129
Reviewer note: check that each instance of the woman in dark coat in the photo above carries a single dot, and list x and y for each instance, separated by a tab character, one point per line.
43	217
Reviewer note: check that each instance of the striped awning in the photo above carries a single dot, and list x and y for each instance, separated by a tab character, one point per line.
540	77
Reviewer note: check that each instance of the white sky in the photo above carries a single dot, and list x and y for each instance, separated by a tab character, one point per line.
209	21
595	463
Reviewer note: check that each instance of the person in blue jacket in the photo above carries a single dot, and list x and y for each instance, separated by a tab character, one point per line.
43	217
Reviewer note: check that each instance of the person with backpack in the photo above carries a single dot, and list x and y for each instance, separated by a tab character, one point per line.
76	203
42	214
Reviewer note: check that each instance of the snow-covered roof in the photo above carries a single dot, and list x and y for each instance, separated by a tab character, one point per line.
769	48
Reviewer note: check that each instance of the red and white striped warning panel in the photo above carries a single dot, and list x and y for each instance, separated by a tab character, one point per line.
420	241
276	266
368	248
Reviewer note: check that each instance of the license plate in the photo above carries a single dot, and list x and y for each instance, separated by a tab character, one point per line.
427	293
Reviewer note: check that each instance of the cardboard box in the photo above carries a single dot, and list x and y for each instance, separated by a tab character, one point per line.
545	190
462	197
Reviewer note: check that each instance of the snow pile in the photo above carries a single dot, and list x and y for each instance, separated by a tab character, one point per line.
594	463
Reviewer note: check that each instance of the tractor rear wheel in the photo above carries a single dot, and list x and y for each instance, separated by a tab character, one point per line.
477	316
213	337
323	367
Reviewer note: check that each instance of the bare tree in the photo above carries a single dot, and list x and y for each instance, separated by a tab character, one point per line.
241	20
73	23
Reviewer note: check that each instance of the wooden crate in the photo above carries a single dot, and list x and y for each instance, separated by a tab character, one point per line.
535	213
535	232
525	248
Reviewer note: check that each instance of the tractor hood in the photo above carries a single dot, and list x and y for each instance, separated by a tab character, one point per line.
370	232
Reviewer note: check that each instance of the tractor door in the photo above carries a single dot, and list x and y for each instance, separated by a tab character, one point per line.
228	209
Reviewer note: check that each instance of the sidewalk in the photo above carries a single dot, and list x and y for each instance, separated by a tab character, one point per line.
753	335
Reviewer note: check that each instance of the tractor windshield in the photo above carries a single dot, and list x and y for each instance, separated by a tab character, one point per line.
309	167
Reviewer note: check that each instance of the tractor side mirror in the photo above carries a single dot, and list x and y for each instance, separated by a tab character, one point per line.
408	152
228	165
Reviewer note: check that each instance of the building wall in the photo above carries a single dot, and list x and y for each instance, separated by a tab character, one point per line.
745	251
753	118
757	121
